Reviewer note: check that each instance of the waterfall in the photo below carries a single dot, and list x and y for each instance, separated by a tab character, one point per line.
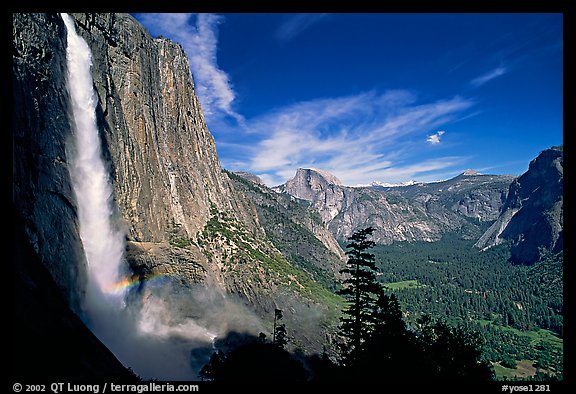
145	332
103	244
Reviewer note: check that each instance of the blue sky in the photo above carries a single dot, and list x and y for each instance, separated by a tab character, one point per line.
387	97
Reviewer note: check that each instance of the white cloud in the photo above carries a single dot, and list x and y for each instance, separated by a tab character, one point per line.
481	80
358	138
296	24
200	42
435	138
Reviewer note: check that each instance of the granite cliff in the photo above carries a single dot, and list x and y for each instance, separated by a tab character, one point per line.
42	192
532	217
526	212
183	216
465	204
187	219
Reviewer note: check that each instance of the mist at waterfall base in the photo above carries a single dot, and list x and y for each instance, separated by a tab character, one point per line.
166	330
159	328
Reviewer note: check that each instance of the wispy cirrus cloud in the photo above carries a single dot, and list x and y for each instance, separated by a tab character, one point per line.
296	24
359	138
198	35
492	74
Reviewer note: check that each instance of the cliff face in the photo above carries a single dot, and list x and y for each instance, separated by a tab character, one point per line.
163	159
532	215
44	326
295	229
42	193
168	181
416	212
182	214
325	192
165	162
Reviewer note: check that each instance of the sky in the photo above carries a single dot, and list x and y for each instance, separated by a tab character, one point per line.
375	97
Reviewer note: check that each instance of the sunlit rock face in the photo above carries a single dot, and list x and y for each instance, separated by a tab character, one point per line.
532	217
419	211
181	214
164	158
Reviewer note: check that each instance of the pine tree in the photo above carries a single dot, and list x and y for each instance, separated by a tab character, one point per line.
389	315
279	336
391	347
360	290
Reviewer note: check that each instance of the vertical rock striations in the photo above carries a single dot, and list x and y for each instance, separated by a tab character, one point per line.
182	214
42	193
532	216
49	266
421	211
166	168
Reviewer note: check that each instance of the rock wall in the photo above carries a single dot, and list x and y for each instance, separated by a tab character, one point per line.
405	213
182	214
42	192
164	158
532	216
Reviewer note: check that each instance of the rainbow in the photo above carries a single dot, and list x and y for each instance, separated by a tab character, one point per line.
135	281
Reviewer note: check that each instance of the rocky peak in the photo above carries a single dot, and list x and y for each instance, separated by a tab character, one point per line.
328	177
412	211
322	189
308	182
532	215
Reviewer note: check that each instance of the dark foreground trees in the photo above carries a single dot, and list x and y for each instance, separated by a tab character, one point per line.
433	350
257	359
377	344
254	362
360	290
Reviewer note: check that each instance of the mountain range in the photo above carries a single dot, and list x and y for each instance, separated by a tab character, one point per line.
527	211
187	218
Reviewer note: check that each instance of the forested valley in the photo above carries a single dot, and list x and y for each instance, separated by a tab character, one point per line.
517	310
445	308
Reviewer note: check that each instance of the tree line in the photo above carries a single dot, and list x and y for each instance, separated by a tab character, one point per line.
460	282
375	340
